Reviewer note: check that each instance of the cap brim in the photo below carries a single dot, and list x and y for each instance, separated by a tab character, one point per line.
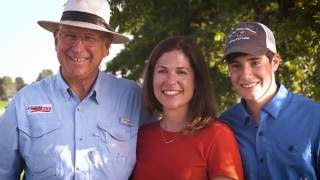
256	51
53	26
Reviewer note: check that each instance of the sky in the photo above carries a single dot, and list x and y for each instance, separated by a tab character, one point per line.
26	48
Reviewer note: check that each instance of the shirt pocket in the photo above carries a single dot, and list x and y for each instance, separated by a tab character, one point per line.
38	137
291	154
119	139
290	159
41	172
39	125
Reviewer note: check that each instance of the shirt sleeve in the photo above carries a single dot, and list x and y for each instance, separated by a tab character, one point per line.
10	160
317	166
224	157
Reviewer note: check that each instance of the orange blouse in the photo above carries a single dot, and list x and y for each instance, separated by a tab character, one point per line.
167	155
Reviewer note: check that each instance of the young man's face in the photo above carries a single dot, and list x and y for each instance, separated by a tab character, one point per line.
252	77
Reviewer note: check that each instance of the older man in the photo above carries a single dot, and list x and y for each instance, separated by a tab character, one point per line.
80	123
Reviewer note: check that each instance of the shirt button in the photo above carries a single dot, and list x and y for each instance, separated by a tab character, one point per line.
261	160
78	109
290	148
80	139
260	133
77	168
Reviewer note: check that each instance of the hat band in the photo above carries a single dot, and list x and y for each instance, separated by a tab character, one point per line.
84	17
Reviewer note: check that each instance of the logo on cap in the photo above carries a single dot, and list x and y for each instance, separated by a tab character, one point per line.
240	34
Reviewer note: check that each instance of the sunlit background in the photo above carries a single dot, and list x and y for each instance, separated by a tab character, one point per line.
27	49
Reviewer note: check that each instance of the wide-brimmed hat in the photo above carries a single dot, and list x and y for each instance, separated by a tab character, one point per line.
91	14
251	38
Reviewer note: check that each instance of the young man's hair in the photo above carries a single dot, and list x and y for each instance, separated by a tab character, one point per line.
231	57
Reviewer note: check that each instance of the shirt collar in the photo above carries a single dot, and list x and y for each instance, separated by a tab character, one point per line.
278	102
244	115
63	86
67	93
95	92
273	107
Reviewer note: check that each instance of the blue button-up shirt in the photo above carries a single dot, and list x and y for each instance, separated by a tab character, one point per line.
47	131
285	144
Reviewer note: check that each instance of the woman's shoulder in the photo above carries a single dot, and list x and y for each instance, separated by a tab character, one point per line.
218	132
217	126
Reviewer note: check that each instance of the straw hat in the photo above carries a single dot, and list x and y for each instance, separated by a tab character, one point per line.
91	14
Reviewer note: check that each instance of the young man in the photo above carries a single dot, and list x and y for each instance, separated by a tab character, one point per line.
81	123
278	131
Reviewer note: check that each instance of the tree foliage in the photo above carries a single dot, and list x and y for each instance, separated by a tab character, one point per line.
295	23
19	83
44	74
7	88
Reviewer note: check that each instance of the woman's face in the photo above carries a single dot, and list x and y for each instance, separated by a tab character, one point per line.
173	81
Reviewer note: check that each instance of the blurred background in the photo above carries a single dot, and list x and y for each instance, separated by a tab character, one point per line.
295	23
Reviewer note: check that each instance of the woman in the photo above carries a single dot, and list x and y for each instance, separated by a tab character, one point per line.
188	142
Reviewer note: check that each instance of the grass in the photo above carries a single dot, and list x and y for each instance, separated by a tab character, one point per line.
2	106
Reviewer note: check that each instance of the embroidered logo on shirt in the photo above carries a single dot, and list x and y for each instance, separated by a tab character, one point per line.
41	108
126	121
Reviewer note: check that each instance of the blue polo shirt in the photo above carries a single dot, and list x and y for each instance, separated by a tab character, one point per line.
285	144
47	131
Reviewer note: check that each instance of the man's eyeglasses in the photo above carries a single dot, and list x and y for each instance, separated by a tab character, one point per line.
89	40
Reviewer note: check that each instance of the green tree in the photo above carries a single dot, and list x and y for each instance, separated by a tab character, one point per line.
19	82
296	24
44	74
7	88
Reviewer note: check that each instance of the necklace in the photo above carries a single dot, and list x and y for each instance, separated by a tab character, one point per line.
165	139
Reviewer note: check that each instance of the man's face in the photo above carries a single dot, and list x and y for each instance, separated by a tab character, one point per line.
80	51
252	77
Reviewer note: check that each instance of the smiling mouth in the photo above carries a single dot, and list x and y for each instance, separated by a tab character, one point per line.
79	59
170	92
249	85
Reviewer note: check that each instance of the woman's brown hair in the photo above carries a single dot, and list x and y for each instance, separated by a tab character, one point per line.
202	107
